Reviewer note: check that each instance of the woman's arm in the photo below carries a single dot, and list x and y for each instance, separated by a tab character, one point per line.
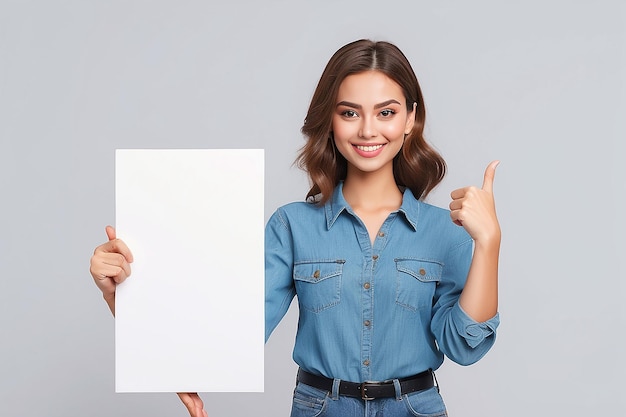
474	209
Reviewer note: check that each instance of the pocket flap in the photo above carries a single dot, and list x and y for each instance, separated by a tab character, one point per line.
425	271
316	271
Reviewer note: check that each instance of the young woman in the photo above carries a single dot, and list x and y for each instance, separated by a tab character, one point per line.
386	284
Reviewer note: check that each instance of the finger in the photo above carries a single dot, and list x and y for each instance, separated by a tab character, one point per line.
455	216
194	404
110	231
490	174
107	277
116	260
116	246
111	265
116	274
187	401
458	193
456	205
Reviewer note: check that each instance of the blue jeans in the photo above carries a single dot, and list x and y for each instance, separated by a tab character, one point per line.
313	402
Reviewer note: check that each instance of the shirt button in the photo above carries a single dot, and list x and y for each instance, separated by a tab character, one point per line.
381	234
422	271
366	362
375	257
316	274
366	285
367	323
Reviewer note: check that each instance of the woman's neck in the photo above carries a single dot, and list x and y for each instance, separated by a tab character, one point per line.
372	191
372	196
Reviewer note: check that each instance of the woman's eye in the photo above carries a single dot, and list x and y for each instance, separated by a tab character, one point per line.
349	113
387	113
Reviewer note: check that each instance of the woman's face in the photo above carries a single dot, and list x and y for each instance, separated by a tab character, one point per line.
370	121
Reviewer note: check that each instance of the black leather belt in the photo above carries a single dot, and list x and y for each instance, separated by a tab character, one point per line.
369	390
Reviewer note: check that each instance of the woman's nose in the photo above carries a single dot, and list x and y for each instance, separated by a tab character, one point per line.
368	129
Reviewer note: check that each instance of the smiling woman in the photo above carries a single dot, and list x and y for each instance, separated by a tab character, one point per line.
386	284
394	92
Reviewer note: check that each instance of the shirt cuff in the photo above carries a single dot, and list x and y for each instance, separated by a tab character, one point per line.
472	331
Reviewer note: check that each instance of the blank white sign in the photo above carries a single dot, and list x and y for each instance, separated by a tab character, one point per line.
190	317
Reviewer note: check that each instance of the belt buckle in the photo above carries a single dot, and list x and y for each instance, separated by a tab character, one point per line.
363	389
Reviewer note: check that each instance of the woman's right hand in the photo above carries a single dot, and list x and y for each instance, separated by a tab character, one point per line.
110	265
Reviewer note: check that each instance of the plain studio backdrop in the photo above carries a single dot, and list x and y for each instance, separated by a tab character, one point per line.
539	85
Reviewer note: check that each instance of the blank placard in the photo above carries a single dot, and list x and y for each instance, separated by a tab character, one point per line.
190	317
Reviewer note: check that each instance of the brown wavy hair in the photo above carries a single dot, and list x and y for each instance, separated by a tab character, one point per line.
417	166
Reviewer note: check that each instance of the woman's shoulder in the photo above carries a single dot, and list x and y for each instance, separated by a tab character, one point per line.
298	211
437	219
300	207
428	209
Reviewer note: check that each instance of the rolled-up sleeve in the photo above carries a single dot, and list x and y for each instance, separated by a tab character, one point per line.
279	287
459	337
472	331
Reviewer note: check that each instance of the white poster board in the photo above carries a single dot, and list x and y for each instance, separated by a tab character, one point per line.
190	318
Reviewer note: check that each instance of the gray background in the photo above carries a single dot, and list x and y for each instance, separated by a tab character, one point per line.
537	84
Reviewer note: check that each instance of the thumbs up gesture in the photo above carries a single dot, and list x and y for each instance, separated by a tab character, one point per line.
475	209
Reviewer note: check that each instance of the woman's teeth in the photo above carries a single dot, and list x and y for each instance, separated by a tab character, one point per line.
371	148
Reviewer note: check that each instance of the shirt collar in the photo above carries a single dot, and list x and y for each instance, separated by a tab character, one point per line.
410	208
337	204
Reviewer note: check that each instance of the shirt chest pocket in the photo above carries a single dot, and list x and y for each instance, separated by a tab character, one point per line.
416	281
318	284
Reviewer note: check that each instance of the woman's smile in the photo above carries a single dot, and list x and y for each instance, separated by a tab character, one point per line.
369	151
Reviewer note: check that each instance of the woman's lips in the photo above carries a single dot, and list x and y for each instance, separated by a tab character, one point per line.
368	151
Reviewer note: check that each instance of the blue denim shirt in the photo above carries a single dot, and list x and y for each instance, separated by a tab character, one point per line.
372	313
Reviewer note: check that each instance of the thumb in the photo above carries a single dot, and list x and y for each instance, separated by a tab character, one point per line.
490	174
110	230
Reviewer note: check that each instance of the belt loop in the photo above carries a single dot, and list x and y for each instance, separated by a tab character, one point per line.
335	392
396	385
435	379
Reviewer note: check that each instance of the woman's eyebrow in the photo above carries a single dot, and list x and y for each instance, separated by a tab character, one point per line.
386	103
359	107
348	104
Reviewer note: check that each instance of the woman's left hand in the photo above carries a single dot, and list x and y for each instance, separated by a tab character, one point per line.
475	209
194	404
